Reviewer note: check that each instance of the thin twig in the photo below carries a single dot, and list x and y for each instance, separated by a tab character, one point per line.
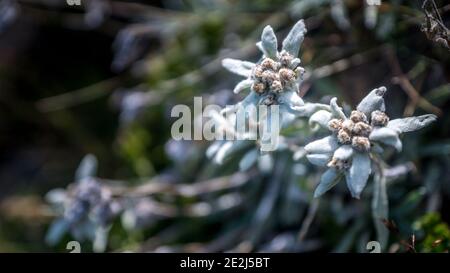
312	211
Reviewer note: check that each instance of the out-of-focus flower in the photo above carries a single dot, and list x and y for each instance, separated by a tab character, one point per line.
86	208
348	151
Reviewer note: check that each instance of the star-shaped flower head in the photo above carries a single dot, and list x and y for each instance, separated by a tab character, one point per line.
275	78
347	151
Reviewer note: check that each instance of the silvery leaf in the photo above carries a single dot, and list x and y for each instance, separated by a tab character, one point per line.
294	39
248	160
319	159
410	124
57	230
319	119
358	174
336	110
87	168
326	145
386	136
242	85
269	43
56	196
239	67
373	101
260	47
343	153
380	209
309	109
328	180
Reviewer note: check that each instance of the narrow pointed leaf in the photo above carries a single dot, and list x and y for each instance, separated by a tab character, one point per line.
294	39
386	136
410	124
319	159
373	101
326	145
380	209
320	119
328	180
344	152
242	68
269	43
243	85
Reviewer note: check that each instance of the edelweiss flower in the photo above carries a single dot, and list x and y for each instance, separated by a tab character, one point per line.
347	152
275	79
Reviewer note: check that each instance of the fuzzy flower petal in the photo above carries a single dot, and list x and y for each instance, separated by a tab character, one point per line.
269	43
328	180
403	125
326	145
294	39
242	68
386	136
343	153
320	119
243	85
373	101
319	159
358	174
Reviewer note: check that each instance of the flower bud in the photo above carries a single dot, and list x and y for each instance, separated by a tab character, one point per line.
286	75
362	129
268	63
348	125
335	125
361	144
276	86
258	72
269	76
344	137
285	59
258	87
358	116
379	118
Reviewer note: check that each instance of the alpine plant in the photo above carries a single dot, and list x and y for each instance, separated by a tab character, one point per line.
276	78
356	139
